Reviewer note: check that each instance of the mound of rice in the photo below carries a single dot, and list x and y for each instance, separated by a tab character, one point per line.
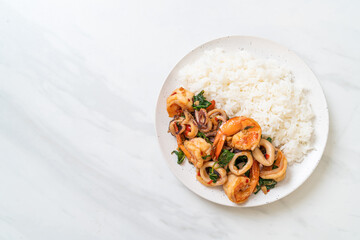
262	89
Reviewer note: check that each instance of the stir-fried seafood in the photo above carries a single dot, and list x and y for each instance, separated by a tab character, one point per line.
180	100
239	188
204	177
199	150
225	152
204	123
269	157
242	170
277	173
245	132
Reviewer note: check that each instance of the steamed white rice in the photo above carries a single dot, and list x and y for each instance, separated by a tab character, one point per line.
262	89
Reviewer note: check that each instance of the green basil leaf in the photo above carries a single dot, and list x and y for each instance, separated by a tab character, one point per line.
201	101
213	176
268	187
260	181
205	157
225	157
257	189
274	167
240	159
269	139
268	182
180	155
202	135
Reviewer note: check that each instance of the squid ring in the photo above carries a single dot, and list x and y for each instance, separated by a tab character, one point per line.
270	151
179	129
189	120
202	119
217	112
245	168
278	172
203	177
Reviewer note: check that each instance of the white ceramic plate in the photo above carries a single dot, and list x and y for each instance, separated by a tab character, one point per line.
297	173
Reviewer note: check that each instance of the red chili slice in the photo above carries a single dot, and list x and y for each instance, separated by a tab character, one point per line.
176	128
187	129
212	106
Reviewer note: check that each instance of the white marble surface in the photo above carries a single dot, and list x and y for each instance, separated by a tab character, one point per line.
78	86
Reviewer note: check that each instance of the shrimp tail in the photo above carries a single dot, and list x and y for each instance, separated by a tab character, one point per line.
182	147
218	145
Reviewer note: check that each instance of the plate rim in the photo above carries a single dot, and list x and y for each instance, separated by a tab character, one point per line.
326	114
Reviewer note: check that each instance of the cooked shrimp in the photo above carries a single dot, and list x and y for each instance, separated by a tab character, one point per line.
239	188
203	177
180	100
269	158
278	173
243	169
181	146
246	134
199	150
